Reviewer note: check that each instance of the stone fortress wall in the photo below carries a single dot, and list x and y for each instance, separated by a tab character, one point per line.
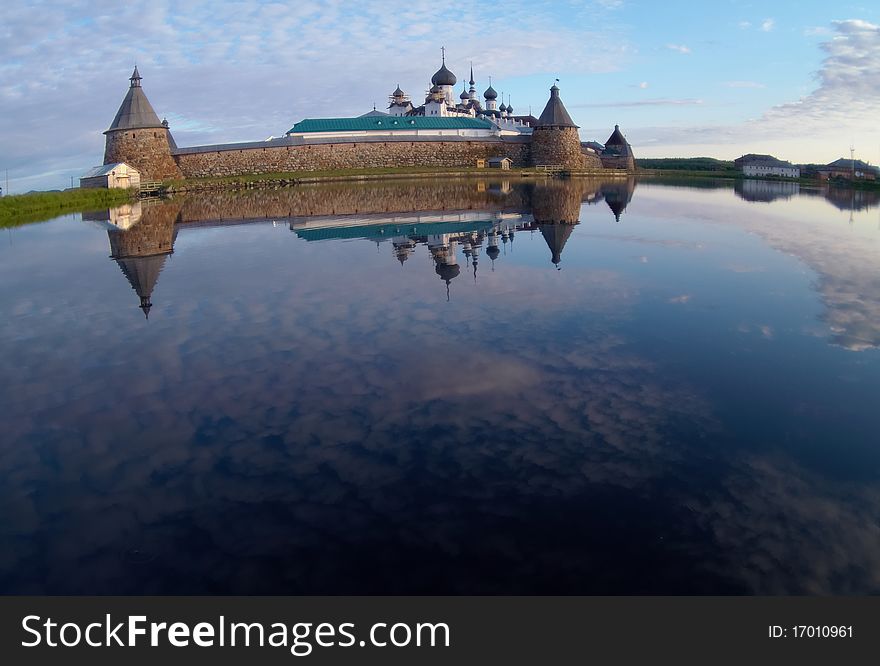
139	138
365	154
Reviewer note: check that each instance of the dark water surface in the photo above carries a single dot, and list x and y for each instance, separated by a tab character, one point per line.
391	388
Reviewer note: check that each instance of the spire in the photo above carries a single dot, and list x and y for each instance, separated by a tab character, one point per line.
472	73
555	114
135	111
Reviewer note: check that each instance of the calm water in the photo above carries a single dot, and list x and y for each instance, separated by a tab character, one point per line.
445	388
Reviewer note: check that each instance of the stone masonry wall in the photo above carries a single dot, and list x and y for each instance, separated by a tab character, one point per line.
319	157
619	162
557	146
147	150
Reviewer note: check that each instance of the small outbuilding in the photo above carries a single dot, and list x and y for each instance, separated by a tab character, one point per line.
500	162
119	174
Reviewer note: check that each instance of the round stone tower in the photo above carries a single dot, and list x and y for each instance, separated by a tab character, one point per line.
555	138
138	138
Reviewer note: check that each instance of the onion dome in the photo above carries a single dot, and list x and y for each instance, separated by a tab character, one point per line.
490	93
443	77
435	89
464	96
398	92
510	109
502	108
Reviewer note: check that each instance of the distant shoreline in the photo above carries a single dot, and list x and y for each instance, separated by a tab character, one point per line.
20	209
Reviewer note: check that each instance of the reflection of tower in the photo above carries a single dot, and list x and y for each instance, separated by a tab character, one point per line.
618	195
556	236
492	250
443	252
556	207
141	250
403	247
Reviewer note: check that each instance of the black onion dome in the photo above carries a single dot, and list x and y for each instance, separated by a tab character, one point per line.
398	92
490	93
464	95
502	108
443	77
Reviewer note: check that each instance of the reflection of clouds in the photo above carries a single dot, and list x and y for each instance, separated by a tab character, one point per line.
846	262
235	431
347	430
849	280
787	531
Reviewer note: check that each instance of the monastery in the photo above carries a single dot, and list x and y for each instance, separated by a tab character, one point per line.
446	130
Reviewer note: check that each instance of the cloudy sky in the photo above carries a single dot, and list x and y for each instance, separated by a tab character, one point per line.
800	79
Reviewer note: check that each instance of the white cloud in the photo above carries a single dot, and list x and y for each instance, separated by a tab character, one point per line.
238	71
643	85
635	103
817	31
744	25
680	48
767	25
744	84
842	108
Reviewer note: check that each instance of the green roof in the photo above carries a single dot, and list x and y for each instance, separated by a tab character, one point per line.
384	123
389	231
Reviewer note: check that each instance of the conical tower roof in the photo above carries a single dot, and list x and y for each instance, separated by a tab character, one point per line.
616	138
556	236
135	112
554	114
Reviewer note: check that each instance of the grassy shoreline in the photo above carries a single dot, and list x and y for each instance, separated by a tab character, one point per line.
19	209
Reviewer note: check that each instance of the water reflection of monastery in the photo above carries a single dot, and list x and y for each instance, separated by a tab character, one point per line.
139	243
456	236
468	226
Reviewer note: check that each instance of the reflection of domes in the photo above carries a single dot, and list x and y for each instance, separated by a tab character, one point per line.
443	77
492	252
447	272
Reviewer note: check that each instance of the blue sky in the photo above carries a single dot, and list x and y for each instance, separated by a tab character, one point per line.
799	79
